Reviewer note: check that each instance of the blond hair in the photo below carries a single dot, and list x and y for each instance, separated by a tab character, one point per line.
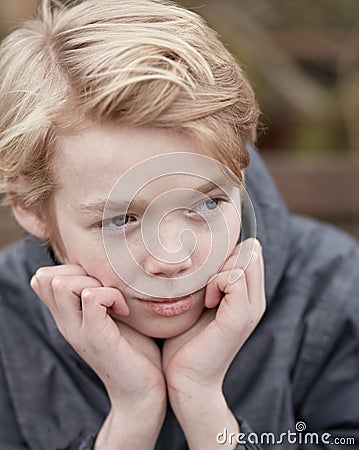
143	62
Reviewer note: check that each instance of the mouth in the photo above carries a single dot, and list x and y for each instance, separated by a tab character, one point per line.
169	307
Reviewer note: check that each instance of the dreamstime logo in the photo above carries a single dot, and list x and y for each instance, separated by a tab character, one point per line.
181	210
300	426
299	436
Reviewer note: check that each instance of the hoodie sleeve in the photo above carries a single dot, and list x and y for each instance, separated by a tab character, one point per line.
331	395
10	436
86	443
246	430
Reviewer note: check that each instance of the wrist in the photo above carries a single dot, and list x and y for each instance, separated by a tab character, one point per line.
202	417
130	429
191	397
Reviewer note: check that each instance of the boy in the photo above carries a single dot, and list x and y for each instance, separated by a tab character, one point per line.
96	93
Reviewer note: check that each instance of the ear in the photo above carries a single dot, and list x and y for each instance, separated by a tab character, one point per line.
29	221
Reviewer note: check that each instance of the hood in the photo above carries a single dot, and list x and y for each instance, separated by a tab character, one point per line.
273	224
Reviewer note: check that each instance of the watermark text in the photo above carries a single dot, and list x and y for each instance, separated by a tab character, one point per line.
299	436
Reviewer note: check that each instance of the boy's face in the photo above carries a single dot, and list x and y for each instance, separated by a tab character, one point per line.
88	166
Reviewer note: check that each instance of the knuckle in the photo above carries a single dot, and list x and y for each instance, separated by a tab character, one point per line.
263	308
41	274
33	282
250	241
256	255
76	269
58	284
87	296
254	244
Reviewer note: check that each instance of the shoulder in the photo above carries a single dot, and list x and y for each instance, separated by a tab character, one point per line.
317	300
327	241
323	272
13	266
324	268
326	260
18	263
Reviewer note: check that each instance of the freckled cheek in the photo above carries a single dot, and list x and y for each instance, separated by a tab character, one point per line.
96	264
208	240
234	228
203	249
233	235
91	255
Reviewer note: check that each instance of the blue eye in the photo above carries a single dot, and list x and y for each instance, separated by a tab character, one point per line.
210	204
117	221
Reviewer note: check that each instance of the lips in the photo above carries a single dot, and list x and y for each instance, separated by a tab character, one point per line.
170	307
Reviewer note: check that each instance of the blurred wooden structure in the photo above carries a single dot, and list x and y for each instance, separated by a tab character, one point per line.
325	189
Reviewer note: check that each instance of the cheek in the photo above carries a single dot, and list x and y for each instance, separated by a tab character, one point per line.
88	251
234	233
97	265
234	227
219	237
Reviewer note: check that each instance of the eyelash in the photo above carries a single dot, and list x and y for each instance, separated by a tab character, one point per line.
102	224
218	201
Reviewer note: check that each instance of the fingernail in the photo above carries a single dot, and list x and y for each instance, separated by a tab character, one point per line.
86	294
235	275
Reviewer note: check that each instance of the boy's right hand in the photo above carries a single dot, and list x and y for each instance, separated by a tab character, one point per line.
128	363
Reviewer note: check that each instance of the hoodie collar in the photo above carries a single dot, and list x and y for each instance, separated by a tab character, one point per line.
273	224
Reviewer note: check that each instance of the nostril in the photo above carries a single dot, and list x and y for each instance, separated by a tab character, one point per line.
167	269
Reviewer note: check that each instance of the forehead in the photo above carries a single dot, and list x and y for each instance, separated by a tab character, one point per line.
119	146
88	164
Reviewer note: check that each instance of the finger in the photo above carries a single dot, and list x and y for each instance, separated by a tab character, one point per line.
219	287
253	270
35	285
242	250
234	310
237	262
41	282
228	331
67	299
249	288
242	258
95	316
213	294
256	281
113	299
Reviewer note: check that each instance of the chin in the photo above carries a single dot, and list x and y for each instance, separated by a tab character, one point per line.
165	334
169	327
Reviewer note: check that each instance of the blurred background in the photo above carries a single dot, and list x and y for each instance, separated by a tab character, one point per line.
302	58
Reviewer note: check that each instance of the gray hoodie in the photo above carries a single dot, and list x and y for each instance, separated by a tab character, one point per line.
298	373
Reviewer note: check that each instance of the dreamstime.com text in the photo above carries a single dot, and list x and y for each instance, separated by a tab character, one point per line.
299	436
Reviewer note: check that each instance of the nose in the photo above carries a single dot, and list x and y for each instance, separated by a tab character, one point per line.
166	269
175	258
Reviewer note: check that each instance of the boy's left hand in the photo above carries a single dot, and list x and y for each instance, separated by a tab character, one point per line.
196	361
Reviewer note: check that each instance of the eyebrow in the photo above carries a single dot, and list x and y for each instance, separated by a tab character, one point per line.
97	207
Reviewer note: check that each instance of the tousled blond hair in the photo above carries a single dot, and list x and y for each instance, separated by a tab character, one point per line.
143	62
